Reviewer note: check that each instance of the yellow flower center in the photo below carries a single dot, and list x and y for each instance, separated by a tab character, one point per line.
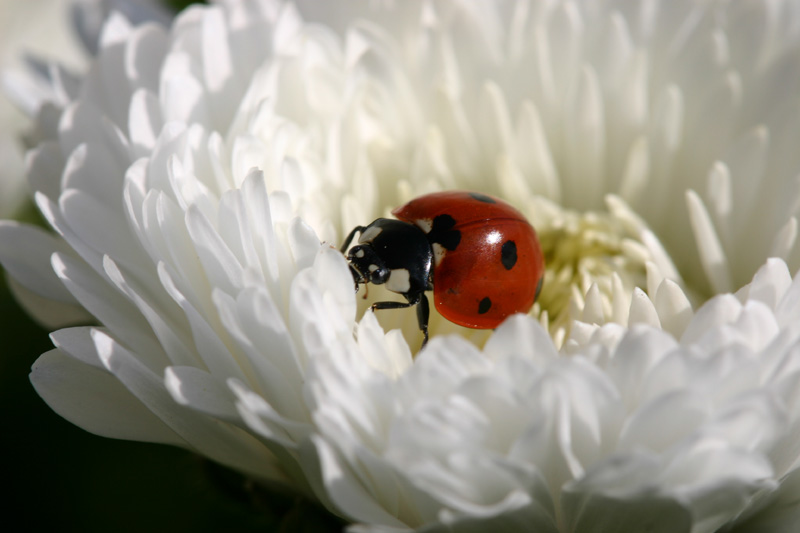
582	250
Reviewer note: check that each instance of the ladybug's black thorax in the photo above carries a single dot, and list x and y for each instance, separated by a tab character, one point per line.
394	253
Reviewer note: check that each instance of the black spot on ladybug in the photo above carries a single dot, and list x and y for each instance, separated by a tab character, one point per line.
442	232
538	288
484	305
508	254
482	198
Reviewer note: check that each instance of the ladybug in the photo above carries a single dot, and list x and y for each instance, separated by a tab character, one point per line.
479	255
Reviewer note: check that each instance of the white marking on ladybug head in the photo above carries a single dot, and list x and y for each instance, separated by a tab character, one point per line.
373	267
359	253
369	234
438	253
425	224
399	280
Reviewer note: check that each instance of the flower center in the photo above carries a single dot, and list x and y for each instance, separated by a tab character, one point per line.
594	260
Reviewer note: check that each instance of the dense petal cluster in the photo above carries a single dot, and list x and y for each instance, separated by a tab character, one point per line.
197	177
637	428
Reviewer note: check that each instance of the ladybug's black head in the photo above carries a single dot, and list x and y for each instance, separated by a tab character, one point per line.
367	266
392	253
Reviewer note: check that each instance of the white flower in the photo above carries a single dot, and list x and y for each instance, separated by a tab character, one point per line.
199	176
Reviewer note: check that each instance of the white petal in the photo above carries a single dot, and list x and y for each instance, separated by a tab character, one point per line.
221	442
747	162
96	401
348	496
673	308
519	331
100	228
720	310
44	165
593	306
144	121
25	253
585	143
144	52
209	344
49	313
637	170
201	391
634	358
712	255
220	265
642	310
534	155
100	300
84	124
165	327
770	283
77	343
720	195
271	345
182	97
664	422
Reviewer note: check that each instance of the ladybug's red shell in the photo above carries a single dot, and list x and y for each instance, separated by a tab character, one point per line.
488	261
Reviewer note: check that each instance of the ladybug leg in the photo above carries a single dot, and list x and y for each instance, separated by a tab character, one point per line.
423	311
391	305
423	314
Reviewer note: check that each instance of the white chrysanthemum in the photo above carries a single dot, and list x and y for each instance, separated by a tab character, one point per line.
196	176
